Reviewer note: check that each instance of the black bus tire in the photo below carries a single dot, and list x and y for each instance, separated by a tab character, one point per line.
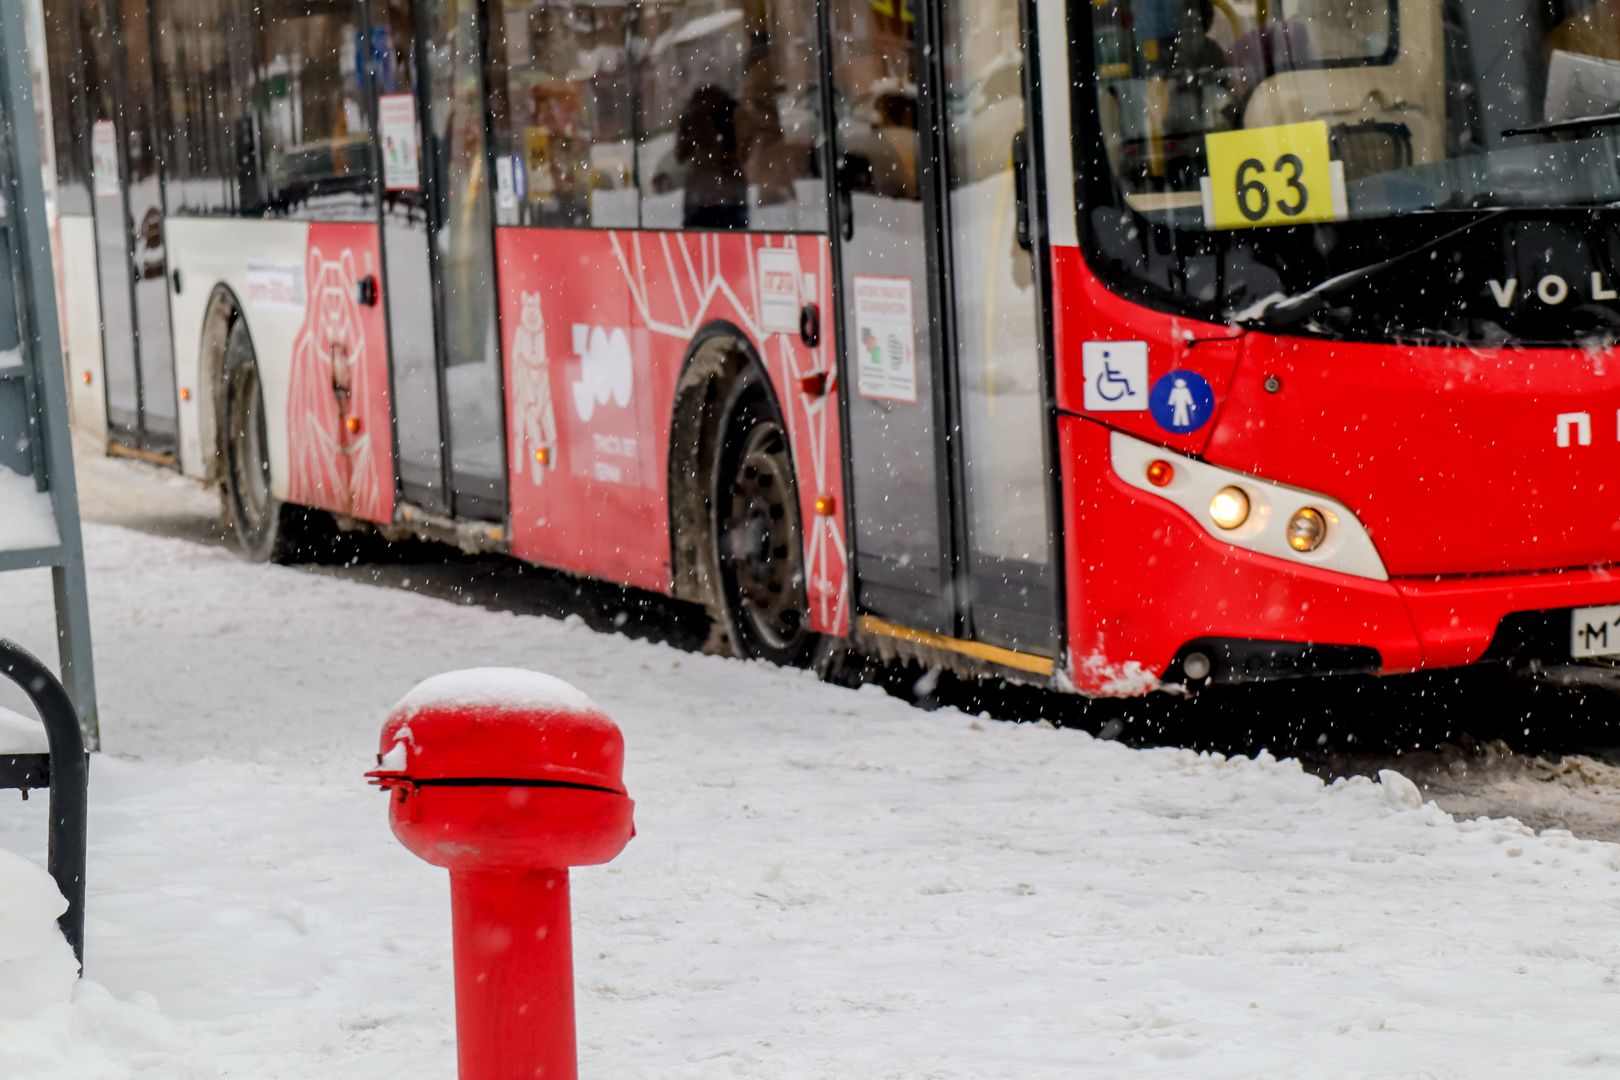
264	528
758	536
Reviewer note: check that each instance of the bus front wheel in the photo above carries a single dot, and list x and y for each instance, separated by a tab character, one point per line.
758	537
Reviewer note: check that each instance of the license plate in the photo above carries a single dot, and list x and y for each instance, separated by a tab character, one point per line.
1595	631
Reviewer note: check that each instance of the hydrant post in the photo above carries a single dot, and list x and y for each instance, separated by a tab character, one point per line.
507	779
514	974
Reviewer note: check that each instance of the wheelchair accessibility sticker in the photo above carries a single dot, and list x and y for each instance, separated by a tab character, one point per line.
1116	375
1182	402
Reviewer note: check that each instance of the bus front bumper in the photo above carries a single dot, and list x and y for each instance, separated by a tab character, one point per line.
1148	585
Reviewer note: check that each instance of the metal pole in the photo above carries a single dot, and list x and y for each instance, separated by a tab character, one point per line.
70	783
37	311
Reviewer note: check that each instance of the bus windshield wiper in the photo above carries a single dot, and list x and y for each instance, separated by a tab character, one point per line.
1292	310
1577	123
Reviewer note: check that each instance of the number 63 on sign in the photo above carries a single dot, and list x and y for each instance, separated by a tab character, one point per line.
1271	176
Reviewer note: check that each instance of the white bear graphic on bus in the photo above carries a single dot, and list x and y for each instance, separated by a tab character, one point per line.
534	422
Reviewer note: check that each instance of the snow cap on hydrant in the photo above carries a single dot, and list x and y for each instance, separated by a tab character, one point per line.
504	767
507	778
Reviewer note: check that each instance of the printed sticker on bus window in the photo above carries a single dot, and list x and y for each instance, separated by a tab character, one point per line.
396	126
505	183
778	290
275	285
1282	175
104	157
1116	375
885	339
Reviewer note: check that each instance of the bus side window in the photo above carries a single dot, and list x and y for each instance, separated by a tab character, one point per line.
316	156
207	105
64	66
562	99
730	116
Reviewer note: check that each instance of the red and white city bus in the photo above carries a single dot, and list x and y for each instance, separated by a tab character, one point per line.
1109	343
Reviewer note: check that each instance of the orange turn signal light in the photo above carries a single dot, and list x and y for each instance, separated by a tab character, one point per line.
353	424
84	377
185	394
826	505
1160	473
542	456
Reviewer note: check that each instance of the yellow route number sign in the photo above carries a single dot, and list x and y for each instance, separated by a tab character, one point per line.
1271	176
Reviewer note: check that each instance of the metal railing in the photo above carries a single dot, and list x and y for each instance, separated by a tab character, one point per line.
65	770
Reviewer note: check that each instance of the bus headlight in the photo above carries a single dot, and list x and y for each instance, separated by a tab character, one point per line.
1306	530
1247	511
1229	508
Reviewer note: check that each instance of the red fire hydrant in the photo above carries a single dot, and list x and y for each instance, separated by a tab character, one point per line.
507	778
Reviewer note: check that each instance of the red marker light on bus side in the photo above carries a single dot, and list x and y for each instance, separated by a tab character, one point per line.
1160	473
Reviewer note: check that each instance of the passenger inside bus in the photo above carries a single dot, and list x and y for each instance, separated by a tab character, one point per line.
707	144
895	171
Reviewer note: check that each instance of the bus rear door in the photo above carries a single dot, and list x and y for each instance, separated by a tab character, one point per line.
949	428
138	349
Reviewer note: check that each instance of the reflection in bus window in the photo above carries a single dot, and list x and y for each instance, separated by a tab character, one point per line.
997	344
316	154
1591	29
729	115
207	107
64	56
876	90
561	99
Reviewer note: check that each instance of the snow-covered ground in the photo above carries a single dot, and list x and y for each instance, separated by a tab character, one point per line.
825	883
26	517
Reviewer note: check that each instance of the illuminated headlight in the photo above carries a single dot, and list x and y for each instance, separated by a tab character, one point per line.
1247	511
1306	530
1229	508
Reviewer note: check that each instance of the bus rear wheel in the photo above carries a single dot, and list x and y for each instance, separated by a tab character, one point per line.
265	528
758	538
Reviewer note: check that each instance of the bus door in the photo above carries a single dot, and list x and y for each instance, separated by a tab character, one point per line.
137	346
949	431
438	244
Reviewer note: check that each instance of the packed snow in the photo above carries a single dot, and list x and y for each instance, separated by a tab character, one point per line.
21	734
495	688
36	966
824	882
27	519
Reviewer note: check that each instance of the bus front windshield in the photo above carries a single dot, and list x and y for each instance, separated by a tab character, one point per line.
1226	117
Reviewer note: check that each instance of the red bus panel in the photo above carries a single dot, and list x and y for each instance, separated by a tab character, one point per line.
339	432
598	325
1144	579
1454	458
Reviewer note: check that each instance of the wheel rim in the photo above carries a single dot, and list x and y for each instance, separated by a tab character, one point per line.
760	542
250	469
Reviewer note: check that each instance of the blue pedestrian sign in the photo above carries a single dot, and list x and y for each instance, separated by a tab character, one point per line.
1182	402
